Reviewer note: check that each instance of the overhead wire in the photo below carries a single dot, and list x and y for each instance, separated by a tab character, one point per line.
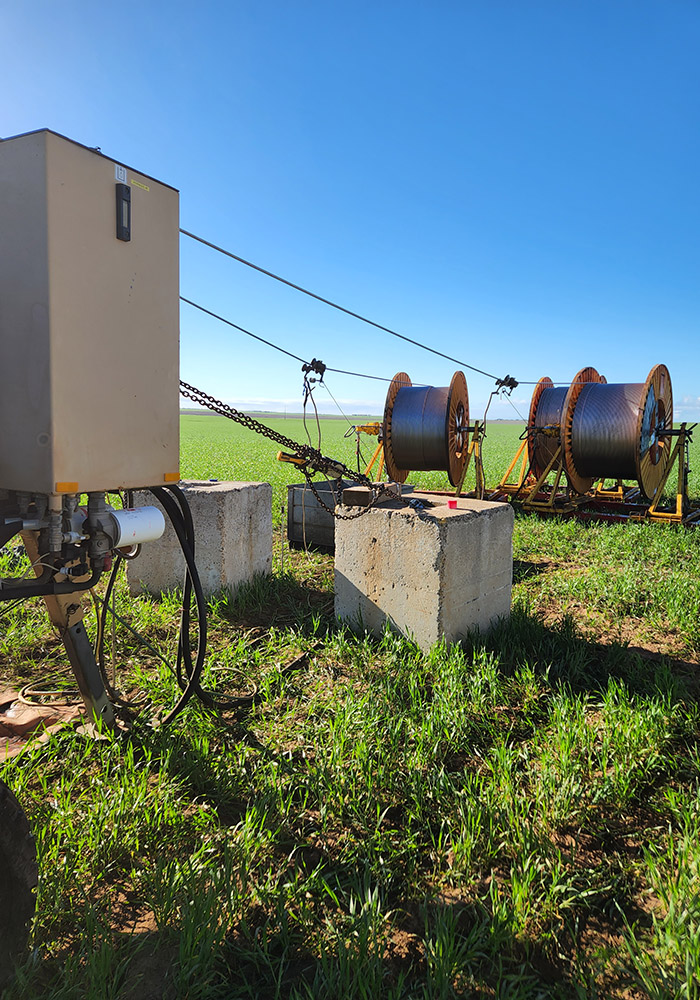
336	305
340	409
345	371
377	378
282	350
507	381
242	329
516	409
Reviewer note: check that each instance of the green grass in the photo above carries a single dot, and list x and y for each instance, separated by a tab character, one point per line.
214	447
517	817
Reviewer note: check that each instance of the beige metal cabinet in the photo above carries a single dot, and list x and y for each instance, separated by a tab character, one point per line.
89	323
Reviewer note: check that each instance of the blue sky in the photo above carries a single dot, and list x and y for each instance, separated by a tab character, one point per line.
513	183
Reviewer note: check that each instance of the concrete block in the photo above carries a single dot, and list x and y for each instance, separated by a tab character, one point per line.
233	536
309	525
433	574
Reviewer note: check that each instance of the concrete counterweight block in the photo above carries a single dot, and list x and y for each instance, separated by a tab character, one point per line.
233	539
432	575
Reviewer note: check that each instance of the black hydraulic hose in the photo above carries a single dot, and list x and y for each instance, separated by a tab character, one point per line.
180	516
189	682
192	686
185	508
48	589
183	650
102	624
186	540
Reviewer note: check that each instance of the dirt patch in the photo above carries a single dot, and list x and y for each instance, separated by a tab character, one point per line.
130	916
404	952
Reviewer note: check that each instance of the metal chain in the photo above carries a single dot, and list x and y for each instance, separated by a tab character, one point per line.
224	410
379	491
312	455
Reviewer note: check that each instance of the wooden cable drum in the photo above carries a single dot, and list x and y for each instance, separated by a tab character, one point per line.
546	419
426	428
545	414
619	431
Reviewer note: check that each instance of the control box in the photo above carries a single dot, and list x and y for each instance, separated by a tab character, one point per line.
89	320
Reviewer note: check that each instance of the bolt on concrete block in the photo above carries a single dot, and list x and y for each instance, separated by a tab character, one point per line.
432	574
233	539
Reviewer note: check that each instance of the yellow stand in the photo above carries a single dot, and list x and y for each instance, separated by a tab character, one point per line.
600	493
532	485
504	487
557	466
378	454
681	512
376	430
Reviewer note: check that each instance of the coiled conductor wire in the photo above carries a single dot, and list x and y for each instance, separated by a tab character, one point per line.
621	431
606	431
547	417
426	427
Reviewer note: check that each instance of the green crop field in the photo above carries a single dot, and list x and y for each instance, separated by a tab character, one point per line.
515	818
214	447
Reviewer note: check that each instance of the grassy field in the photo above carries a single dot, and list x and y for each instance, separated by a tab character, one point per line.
515	818
214	447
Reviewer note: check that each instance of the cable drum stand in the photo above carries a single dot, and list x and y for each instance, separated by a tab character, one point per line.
683	513
592	432
478	434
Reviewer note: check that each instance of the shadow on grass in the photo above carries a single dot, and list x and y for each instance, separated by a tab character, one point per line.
570	658
282	600
523	568
435	948
303	599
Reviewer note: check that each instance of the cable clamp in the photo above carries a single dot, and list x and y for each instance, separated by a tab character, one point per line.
327	467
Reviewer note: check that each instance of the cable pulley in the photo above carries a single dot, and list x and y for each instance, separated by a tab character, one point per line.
426	428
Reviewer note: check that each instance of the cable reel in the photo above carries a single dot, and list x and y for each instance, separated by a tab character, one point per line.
548	411
604	430
426	428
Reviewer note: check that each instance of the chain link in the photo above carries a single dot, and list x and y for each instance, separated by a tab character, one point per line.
224	410
380	493
313	456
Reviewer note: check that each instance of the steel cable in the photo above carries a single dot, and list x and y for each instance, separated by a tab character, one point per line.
506	383
343	309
